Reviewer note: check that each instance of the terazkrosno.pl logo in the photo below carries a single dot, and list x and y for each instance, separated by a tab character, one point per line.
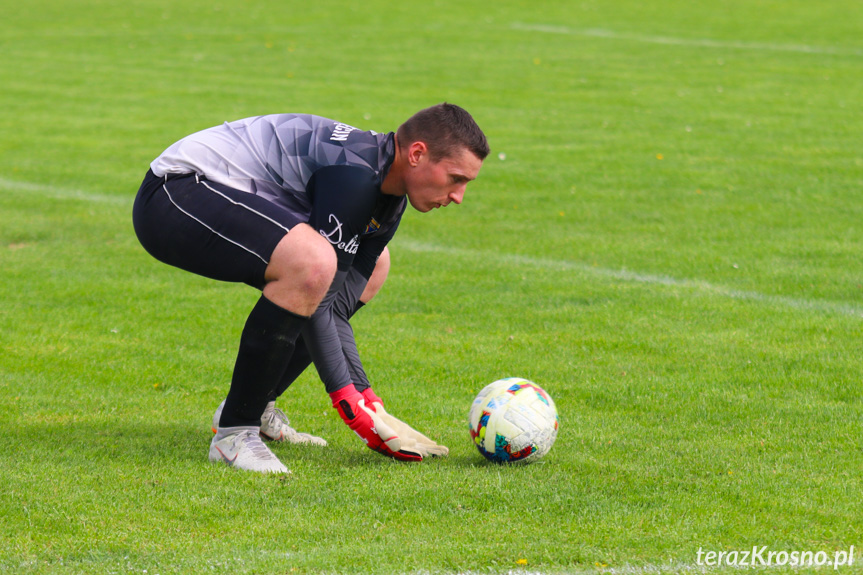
763	557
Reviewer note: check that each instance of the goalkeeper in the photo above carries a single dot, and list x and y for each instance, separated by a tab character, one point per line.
302	207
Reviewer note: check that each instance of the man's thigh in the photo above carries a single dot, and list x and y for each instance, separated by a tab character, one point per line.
209	229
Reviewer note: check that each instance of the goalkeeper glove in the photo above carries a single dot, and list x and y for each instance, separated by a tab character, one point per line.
410	437
371	428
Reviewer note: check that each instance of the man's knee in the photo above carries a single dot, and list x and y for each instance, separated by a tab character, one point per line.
316	262
379	276
301	270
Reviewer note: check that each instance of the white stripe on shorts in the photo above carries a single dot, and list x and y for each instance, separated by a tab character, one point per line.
227	239
266	217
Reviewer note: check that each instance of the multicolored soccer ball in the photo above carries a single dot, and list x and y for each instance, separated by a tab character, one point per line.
513	421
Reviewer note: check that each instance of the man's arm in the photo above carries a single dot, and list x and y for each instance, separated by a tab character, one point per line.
338	368
345	306
343	201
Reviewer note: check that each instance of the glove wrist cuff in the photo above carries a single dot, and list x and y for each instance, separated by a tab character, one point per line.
371	397
348	392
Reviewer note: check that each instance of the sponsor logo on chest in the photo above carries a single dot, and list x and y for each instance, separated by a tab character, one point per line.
335	237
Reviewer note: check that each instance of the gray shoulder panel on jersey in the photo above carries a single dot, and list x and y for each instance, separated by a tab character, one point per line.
276	155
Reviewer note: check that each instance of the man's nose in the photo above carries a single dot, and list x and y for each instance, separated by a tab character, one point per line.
457	196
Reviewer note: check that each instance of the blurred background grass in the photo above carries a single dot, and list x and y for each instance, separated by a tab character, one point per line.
666	237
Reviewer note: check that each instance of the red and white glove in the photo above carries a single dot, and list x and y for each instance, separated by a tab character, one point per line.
410	438
366	423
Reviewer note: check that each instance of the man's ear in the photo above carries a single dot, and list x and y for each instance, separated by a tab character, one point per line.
416	151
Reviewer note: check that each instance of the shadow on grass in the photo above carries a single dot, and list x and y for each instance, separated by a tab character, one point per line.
116	443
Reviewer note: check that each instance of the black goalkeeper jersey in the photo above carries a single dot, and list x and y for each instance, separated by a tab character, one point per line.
324	172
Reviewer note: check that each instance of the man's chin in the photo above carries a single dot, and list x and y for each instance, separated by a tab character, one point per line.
420	208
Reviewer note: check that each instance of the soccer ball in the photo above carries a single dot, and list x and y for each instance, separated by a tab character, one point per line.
513	421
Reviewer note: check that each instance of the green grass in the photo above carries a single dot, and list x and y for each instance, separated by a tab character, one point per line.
666	237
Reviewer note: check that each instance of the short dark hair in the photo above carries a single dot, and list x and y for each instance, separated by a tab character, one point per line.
444	128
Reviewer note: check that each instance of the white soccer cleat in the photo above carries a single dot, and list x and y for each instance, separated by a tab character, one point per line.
275	426
241	447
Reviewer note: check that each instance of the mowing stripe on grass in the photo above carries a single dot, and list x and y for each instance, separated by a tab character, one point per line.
698	42
63	193
841	308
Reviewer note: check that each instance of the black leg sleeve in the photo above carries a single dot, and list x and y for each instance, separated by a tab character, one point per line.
266	347
303	359
298	364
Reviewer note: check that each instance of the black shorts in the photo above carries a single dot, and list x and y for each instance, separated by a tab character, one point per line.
207	228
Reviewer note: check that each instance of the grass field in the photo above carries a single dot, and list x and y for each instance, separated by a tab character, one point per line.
667	237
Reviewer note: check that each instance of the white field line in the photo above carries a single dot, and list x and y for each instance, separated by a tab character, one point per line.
841	308
63	193
697	42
